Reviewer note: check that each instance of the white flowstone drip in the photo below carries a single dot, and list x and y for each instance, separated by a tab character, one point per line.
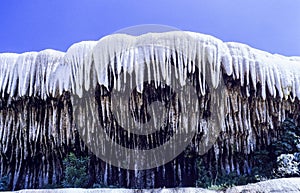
279	74
33	74
7	69
50	72
78	59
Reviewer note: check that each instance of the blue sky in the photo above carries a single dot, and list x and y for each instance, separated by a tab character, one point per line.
34	25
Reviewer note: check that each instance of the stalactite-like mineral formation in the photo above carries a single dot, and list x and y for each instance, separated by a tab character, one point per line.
38	91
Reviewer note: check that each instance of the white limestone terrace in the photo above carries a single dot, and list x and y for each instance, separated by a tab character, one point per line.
49	72
274	185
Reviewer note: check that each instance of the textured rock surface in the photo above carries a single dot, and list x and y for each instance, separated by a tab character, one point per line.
37	128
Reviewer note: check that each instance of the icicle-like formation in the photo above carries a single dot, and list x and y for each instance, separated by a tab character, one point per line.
7	67
33	74
49	71
78	59
279	74
153	50
51	76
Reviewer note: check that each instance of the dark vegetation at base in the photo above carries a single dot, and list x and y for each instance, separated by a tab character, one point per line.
279	159
75	172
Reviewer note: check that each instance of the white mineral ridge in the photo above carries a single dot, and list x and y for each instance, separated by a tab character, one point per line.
49	72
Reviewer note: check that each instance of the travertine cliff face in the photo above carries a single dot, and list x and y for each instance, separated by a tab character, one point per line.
38	126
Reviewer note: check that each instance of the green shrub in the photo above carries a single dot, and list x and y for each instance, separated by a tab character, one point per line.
75	173
4	183
204	179
264	163
290	140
